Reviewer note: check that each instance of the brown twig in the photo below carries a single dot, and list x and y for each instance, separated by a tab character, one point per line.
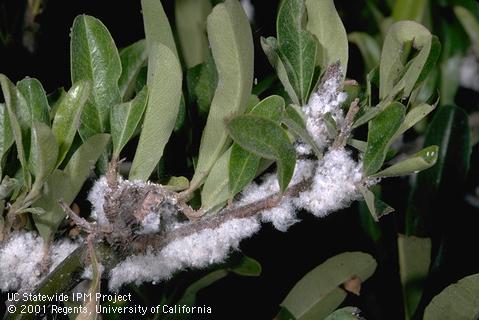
159	241
346	128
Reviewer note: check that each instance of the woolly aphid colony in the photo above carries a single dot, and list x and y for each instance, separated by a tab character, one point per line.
332	184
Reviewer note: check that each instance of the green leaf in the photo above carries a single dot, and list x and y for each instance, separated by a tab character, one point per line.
414	261
190	19
422	160
157	27
164	95
177	184
132	58
458	301
215	190
65	184
294	121
124	119
247	266
19	119
94	58
231	43
397	74
243	164
242	169
6	135
43	154
326	25
270	48
36	100
347	313
376	207
68	115
267	139
449	130
369	48
318	293
369	218
297	47
415	115
470	24
203	84
358	144
410	10
382	130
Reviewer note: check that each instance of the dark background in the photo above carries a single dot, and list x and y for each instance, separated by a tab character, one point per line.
285	257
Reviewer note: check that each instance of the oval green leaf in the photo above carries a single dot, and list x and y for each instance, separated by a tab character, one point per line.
20	122
318	294
132	58
94	58
377	208
67	117
231	43
43	154
190	18
422	160
164	95
124	119
157	27
65	184
397	74
270	48
267	139
414	262
297	47
458	301
382	130
295	122
215	190
415	115
326	25
36	99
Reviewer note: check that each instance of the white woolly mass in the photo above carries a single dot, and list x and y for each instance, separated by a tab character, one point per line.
150	224
97	199
334	186
88	272
327	99
195	251
282	216
469	72
21	257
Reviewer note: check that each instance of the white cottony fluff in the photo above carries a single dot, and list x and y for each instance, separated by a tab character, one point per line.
334	186
97	199
327	99
21	257
88	272
195	251
150	224
282	216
